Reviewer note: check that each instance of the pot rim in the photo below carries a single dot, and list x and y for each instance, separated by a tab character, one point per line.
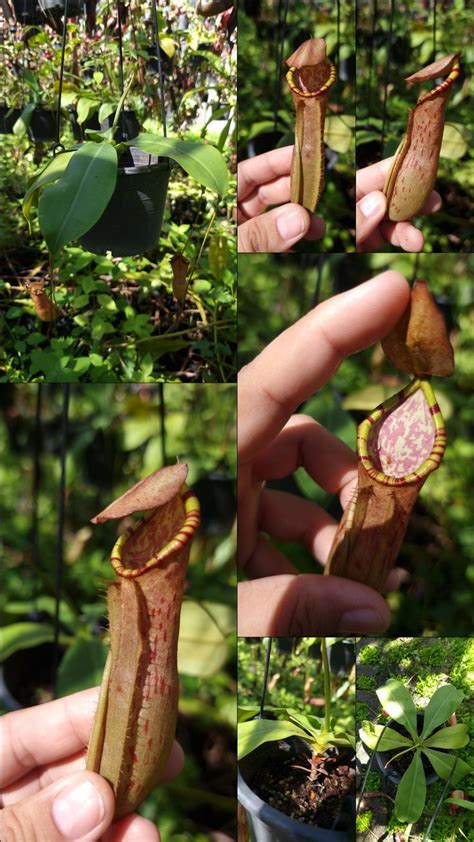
162	162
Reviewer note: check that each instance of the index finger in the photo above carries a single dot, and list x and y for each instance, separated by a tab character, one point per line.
372	177
26	735
262	169
302	359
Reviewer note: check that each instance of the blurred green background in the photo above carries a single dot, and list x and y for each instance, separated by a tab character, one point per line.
418	38
438	551
115	439
266	112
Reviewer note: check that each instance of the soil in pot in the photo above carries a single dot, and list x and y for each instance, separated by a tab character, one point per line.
290	790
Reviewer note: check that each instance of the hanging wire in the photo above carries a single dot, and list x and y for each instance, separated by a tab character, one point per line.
371	55
387	72
156	28
434	29
57	144
60	527
280	46
36	478
123	130
161	392
440	800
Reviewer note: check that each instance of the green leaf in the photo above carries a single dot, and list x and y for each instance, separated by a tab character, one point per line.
454	145
339	132
313	728
22	124
252	734
159	345
81	666
203	645
24	636
51	172
461	802
411	792
201	161
455	736
369	734
441	705
442	763
85	108
71	206
105	110
398	703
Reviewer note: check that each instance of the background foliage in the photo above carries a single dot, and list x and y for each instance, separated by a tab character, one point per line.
295	678
119	319
418	38
115	440
266	114
438	550
423	666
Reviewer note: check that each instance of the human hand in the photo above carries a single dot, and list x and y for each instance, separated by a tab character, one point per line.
372	231
272	443
46	794
263	181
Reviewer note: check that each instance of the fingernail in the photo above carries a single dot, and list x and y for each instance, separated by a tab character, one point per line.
290	225
77	810
371	203
360	620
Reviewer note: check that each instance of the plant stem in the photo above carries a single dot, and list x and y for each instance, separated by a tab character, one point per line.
120	105
327	686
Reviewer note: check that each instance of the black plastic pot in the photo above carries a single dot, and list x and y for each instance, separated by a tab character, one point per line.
131	222
270	825
42	128
26	12
8	118
382	757
78	129
56	7
128	126
341	657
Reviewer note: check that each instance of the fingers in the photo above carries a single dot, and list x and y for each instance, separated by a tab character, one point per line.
132	829
372	178
80	807
370	211
22	733
276	192
305	443
275	231
309	604
300	360
263	169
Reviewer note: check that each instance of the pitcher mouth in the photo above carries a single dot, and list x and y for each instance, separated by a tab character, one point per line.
184	535
430	462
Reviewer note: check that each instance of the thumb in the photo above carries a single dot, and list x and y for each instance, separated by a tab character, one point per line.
79	807
369	213
289	605
275	231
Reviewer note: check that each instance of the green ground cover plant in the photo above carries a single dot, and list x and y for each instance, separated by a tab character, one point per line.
424	682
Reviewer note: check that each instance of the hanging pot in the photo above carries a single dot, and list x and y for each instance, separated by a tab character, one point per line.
8	118
128	126
56	7
42	128
341	657
382	757
78	129
131	222
26	12
270	825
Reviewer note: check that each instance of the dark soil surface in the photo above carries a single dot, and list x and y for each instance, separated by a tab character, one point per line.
288	788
